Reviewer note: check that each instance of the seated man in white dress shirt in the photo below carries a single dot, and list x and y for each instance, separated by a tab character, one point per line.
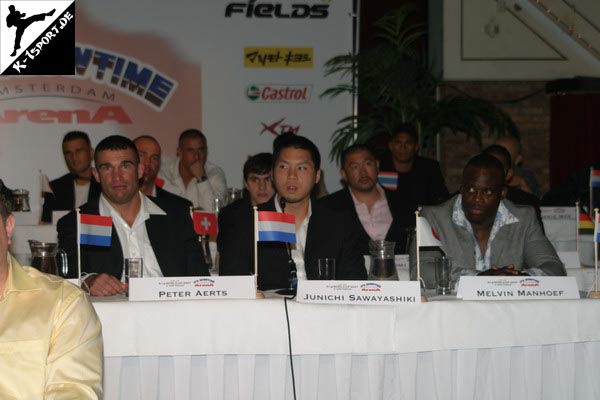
192	176
156	230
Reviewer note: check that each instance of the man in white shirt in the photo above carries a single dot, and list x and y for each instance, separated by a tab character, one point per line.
156	230
192	176
320	232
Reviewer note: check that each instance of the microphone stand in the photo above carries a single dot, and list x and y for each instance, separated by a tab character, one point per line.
292	277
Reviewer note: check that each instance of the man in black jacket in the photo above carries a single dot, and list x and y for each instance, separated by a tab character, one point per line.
320	232
156	230
366	202
77	187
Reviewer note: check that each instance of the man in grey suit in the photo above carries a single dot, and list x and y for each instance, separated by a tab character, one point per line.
485	234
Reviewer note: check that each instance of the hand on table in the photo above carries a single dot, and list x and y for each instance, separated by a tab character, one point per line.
105	285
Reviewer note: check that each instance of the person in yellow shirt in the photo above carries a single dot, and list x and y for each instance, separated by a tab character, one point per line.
50	336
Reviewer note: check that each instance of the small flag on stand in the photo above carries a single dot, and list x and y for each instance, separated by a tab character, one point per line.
586	225
205	223
388	180
95	230
595	178
276	227
427	237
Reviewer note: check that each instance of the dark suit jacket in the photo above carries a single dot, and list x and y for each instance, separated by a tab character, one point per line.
63	197
397	232
330	235
172	237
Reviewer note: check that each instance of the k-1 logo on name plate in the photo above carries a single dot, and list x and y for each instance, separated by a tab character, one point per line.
37	37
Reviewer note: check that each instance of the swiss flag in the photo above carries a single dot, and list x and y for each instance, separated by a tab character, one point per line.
205	223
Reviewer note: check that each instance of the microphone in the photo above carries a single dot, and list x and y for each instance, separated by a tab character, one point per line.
282	203
292	277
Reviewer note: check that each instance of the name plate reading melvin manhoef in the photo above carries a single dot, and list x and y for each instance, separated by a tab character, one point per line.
192	288
359	292
517	288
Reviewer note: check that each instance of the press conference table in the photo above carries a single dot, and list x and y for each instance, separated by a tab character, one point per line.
450	349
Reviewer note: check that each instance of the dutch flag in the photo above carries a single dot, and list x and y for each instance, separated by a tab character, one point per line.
595	178
276	227
95	230
388	180
597	228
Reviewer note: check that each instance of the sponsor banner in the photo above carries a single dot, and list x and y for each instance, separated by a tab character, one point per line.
37	37
276	10
359	292
274	93
517	288
278	127
192	288
278	57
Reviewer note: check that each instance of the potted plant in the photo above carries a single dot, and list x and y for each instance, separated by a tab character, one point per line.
395	84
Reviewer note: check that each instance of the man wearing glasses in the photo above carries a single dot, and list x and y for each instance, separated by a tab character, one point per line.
483	233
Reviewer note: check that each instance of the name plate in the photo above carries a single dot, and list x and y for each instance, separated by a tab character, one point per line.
358	292
192	288
517	288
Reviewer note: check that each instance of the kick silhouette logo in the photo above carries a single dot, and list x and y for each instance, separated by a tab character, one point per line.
37	37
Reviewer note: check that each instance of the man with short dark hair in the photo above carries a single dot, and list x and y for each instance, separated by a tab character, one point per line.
420	180
320	233
483	233
150	156
257	178
365	201
513	193
77	187
192	176
142	227
50	335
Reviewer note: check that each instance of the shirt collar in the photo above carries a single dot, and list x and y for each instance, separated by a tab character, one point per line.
379	189
278	207
147	207
503	215
18	280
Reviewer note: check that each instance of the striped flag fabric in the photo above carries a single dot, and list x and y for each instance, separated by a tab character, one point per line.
276	227
95	230
595	178
586	225
205	223
427	237
388	179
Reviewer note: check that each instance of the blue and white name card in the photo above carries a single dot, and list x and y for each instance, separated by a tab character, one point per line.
517	288
192	288
359	292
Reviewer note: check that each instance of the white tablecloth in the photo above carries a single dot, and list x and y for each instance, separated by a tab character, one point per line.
440	350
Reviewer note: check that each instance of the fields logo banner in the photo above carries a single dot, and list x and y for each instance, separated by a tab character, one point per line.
37	37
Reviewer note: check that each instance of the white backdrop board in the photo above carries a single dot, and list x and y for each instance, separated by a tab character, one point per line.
241	72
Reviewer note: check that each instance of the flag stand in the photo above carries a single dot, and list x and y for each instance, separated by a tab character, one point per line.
421	283
595	294
259	295
78	245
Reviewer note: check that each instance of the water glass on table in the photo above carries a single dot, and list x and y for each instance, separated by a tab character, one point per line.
133	268
443	280
326	271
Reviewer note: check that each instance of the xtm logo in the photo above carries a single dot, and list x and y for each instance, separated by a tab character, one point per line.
38	37
278	127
